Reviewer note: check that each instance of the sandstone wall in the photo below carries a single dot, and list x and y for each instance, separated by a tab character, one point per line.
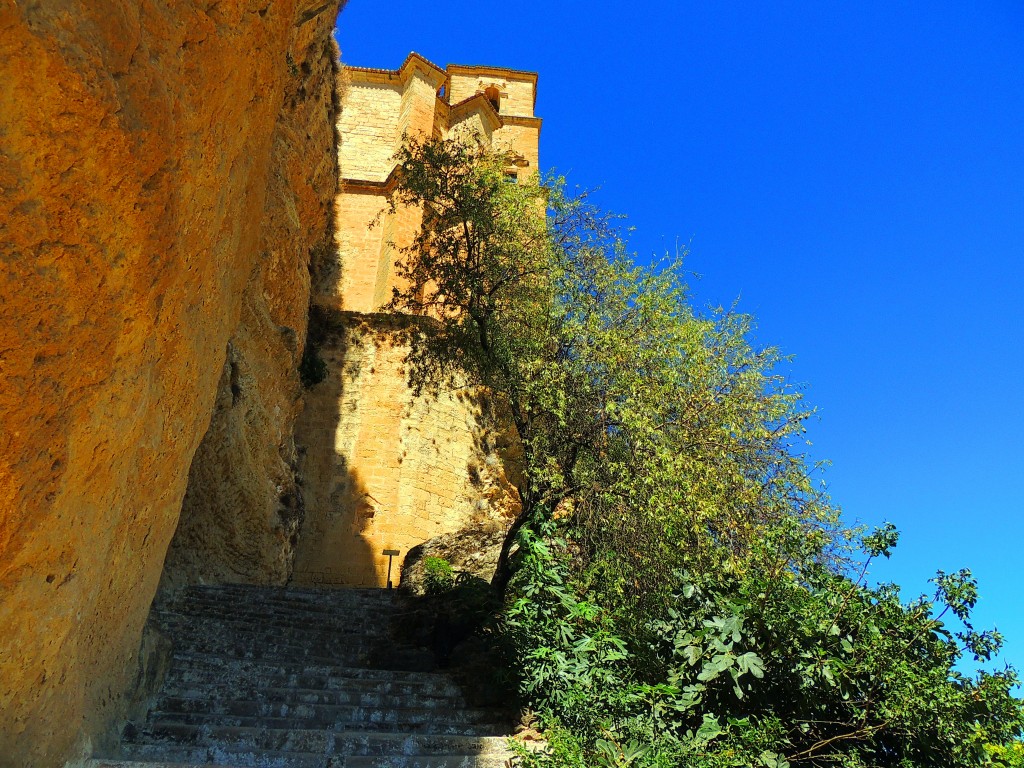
516	89
380	107
368	129
140	150
384	468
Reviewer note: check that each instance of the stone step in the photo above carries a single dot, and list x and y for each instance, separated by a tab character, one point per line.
185	625
375	656
271	647
270	612
199	759
269	650
292	591
335	614
373	625
160	724
249	592
191	743
332	691
279	701
254	714
373	622
279	608
174	756
216	667
285	602
432	761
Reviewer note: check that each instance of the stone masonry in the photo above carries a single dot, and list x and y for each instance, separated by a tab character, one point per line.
384	468
379	107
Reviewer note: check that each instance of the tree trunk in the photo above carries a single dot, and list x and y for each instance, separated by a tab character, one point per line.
503	571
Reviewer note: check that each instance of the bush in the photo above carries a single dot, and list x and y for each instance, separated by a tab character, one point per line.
438	576
751	666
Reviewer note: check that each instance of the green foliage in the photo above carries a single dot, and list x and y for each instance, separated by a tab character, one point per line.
797	665
683	591
629	406
1006	756
438	576
569	657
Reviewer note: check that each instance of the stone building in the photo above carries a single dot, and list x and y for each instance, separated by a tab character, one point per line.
384	469
379	106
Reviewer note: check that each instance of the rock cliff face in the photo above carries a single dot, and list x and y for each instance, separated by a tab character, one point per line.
242	508
161	192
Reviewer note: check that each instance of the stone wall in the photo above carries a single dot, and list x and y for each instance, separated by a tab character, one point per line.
368	129
141	148
516	89
383	467
380	108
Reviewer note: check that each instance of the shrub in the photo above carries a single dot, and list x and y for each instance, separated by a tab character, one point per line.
754	666
438	576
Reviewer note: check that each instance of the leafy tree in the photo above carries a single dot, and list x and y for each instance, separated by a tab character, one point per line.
760	667
679	588
662	433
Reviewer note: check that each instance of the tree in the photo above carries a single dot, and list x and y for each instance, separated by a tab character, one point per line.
765	667
660	432
683	591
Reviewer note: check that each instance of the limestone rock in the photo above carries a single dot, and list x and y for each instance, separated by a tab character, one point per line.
142	145
473	550
242	509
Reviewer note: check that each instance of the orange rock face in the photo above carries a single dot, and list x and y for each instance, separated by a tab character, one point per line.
242	509
142	147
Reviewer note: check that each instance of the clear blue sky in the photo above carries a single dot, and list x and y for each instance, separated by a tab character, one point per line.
854	173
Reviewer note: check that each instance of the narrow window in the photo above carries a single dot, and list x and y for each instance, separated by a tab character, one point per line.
494	96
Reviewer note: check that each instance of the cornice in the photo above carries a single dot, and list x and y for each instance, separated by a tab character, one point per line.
413	62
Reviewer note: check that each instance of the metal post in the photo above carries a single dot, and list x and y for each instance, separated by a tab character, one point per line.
390	553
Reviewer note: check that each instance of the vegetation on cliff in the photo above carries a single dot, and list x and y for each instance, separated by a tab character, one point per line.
679	590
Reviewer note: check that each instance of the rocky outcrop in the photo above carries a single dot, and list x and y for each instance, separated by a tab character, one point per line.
242	508
471	551
158	201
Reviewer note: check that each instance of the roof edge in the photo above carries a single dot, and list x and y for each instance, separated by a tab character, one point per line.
412	61
484	103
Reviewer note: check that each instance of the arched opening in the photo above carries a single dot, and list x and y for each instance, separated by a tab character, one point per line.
493	95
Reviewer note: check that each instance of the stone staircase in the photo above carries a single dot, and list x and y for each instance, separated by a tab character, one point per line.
300	678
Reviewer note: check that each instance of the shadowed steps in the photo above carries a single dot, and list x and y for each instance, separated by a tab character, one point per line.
265	677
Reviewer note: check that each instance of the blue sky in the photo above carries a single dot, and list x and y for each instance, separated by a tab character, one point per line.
853	173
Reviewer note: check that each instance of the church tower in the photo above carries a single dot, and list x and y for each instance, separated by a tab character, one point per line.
386	468
419	98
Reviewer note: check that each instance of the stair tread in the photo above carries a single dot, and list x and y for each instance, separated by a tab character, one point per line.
245	708
301	742
299	667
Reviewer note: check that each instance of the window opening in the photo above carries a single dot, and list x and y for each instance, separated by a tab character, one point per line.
493	95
